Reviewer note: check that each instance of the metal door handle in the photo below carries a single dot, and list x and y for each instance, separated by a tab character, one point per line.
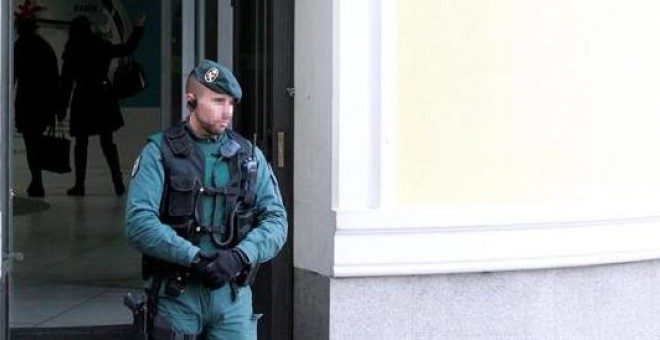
280	149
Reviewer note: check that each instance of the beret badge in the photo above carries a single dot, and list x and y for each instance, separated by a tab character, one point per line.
211	75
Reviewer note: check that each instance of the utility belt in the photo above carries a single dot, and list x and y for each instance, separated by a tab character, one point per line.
175	278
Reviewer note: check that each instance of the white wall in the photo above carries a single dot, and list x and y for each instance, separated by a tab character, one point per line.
313	145
469	137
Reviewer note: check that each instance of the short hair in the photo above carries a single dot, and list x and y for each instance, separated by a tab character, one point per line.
192	84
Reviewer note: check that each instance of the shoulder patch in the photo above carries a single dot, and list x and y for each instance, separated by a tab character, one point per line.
136	167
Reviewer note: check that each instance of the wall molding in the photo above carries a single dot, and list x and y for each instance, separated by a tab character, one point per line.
376	243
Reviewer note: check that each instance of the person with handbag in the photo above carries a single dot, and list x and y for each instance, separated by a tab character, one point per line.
94	106
36	78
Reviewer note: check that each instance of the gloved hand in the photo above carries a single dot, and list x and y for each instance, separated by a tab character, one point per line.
217	268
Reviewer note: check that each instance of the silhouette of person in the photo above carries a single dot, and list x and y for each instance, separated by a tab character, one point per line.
87	89
36	78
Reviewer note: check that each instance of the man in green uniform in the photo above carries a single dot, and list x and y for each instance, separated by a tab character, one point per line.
205	209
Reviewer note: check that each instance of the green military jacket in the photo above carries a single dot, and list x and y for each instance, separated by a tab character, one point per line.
145	231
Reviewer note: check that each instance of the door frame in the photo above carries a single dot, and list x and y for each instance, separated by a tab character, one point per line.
263	61
280	44
6	107
272	103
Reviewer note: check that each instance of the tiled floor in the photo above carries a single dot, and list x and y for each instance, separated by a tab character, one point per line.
77	265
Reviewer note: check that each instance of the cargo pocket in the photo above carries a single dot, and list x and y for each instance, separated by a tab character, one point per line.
254	322
182	196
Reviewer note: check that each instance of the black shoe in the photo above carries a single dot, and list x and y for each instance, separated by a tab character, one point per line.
76	191
36	191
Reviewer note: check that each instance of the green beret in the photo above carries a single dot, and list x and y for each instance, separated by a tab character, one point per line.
218	78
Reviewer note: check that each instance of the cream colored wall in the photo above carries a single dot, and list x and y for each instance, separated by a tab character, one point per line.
450	136
528	101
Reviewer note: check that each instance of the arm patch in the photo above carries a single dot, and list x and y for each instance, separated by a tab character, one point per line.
136	167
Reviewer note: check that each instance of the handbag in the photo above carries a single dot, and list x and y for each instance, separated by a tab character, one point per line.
55	150
128	79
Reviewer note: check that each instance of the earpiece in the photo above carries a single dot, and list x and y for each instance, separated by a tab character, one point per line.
192	104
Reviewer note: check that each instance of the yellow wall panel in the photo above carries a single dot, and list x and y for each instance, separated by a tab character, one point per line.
528	101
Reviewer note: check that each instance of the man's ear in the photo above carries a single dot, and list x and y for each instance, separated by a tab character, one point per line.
191	101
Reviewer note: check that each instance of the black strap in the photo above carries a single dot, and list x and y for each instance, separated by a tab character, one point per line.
229	190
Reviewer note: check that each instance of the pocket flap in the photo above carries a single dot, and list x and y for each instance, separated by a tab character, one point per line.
181	183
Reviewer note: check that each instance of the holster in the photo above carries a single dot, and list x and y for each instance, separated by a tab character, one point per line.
138	309
175	277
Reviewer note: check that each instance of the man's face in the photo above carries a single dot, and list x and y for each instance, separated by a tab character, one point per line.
214	112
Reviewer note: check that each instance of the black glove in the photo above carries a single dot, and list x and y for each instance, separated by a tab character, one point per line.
217	268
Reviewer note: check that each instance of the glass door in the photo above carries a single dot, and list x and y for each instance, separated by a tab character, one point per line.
77	264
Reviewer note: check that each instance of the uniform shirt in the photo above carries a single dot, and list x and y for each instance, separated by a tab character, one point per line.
149	235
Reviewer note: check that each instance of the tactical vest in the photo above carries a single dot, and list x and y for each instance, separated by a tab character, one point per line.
181	205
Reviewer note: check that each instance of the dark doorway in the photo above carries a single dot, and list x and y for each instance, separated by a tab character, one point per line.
263	45
263	61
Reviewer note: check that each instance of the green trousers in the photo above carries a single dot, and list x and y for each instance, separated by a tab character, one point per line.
211	314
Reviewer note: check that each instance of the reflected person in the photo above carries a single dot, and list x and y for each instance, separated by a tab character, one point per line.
36	77
87	90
